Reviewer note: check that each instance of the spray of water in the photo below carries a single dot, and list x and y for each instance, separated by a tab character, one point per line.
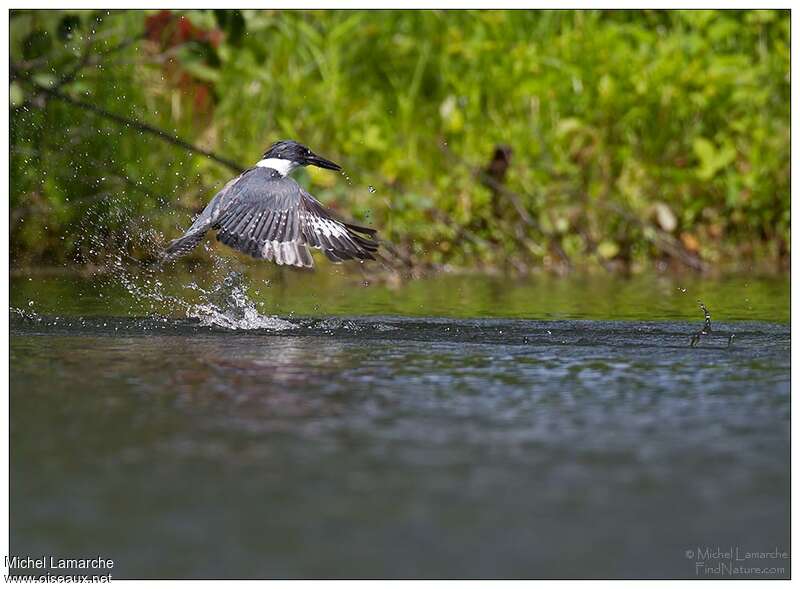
224	304
227	305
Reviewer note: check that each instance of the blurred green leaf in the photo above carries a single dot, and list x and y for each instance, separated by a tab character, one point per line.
607	249
711	158
201	71
16	94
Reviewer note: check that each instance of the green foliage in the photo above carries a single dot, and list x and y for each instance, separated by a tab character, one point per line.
623	124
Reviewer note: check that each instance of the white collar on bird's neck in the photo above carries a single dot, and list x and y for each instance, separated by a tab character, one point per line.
283	167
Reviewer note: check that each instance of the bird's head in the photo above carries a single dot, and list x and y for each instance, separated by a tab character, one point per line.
286	155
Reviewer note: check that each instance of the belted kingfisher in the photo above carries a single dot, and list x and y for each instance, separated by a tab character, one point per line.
264	213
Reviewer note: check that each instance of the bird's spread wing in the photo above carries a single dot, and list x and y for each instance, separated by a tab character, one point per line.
272	217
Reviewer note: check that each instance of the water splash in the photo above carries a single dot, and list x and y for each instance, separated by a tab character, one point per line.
227	305
27	314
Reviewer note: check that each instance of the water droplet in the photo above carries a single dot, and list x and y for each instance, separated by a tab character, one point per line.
371	188
30	303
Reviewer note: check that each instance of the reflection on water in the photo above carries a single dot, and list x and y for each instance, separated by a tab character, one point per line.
268	291
400	447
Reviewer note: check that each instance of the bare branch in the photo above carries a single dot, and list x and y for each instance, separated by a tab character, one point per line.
125	121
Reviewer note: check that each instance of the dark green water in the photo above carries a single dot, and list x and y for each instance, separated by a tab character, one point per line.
454	427
330	292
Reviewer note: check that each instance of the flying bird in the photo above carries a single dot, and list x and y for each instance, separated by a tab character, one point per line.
266	214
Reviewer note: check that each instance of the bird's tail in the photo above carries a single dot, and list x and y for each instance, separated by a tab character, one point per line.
183	245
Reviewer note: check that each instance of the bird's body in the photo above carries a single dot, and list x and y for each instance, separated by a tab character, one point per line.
266	214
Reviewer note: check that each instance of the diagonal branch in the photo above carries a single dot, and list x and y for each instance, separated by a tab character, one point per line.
125	121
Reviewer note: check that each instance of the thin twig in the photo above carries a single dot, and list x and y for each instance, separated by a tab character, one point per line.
514	198
662	240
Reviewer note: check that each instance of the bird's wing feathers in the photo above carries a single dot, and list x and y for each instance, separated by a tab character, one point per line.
337	239
272	217
194	235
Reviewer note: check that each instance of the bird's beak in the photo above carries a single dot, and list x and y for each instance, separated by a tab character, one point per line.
321	162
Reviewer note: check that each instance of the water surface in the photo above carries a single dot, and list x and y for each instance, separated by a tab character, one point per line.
333	291
538	429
